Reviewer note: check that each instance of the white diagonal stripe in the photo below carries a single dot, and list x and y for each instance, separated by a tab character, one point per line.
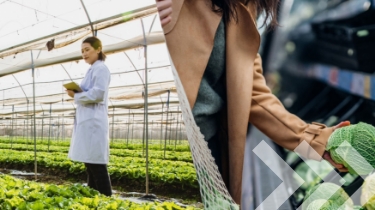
278	196
300	149
314	195
347	148
304	146
368	168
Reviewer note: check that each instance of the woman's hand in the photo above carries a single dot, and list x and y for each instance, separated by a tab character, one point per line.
70	93
327	155
165	11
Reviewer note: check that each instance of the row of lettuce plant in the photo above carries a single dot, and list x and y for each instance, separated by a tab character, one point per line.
176	173
27	195
113	145
153	154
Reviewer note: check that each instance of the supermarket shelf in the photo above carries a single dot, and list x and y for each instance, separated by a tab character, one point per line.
356	83
345	10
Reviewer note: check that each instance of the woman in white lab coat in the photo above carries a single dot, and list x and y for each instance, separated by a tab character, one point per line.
90	141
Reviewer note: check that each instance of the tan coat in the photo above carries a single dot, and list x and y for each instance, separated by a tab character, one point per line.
190	39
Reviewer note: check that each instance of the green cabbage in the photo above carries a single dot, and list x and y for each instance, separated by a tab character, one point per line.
310	171
361	137
318	204
368	193
322	204
334	197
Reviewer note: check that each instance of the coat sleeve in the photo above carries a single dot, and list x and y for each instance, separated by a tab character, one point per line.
269	116
100	79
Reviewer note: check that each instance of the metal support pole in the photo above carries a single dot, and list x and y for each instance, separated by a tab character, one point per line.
170	131
175	140
180	129
113	121
118	133
63	128
33	75
166	124
27	126
24	129
16	126
146	106
144	129
27	99
152	127
67	73
9	133
152	24
11	143
57	136
53	132
127	134
133	127
50	123
161	124
42	136
9	126
88	17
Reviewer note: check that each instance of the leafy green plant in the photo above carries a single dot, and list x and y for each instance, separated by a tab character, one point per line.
161	171
310	171
16	194
114	145
361	137
328	195
368	193
153	154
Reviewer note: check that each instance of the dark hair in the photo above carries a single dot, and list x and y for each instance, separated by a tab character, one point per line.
228	9
96	43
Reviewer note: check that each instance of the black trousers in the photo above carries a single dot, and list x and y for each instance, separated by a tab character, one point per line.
215	146
98	178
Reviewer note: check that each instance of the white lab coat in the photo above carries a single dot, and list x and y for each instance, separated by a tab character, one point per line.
90	140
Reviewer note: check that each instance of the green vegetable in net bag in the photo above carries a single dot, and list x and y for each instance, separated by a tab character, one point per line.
334	198
354	147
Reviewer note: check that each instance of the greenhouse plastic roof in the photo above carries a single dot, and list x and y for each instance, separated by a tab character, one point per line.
124	27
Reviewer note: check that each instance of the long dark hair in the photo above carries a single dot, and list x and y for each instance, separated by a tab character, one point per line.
228	9
96	43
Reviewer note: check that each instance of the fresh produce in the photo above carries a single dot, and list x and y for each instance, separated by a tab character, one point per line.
26	195
322	204
113	145
127	162
161	171
153	154
361	138
334	196
311	172
368	193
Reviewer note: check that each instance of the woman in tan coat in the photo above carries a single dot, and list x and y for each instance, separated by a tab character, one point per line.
214	45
